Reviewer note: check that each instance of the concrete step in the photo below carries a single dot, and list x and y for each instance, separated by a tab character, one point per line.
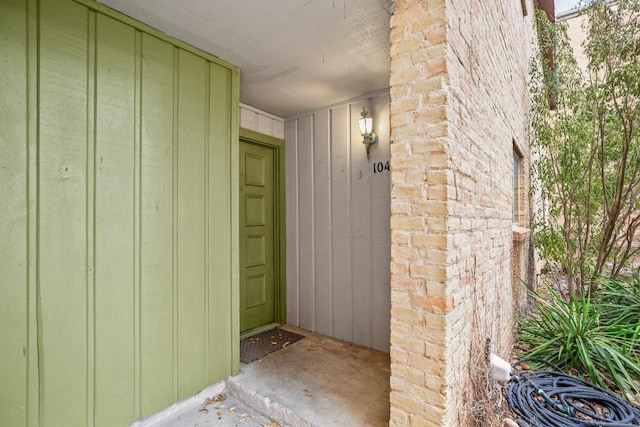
264	405
317	382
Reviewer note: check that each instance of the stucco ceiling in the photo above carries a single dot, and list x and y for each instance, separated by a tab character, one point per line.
293	55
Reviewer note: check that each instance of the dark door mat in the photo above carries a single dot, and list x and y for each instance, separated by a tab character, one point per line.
258	346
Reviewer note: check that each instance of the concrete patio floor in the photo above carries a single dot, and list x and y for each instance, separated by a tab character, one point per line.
317	381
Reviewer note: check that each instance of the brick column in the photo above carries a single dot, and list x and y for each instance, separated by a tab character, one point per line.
459	109
419	208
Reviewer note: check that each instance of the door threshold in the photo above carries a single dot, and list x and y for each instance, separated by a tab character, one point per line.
259	329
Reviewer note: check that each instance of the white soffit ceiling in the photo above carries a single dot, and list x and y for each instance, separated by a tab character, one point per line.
293	55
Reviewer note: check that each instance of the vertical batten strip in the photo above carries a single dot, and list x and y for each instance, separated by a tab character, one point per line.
312	136
291	222
207	220
350	220
33	214
137	226
234	185
371	243
330	184
282	235
297	196
176	92
91	215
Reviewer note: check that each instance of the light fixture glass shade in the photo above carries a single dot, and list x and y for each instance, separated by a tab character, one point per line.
366	125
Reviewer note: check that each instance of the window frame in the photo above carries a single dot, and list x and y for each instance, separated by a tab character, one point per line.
517	190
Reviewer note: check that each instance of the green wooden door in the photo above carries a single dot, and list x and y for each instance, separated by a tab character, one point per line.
257	287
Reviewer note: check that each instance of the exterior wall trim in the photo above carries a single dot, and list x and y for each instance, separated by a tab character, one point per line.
105	10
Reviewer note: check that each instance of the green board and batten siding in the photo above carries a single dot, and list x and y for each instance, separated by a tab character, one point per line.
118	220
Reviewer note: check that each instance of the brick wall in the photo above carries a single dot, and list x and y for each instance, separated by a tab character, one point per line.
576	30
458	105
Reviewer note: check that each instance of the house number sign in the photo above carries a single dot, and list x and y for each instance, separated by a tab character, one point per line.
379	167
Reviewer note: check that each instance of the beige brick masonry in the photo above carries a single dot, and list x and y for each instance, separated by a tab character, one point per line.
459	103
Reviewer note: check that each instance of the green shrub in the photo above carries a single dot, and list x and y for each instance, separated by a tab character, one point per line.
586	336
620	299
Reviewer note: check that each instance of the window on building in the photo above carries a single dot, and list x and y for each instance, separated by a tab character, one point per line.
518	191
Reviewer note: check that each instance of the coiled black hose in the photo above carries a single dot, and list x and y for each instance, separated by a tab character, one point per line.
554	399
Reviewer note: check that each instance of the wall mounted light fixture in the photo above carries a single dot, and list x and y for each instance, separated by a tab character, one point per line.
365	124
